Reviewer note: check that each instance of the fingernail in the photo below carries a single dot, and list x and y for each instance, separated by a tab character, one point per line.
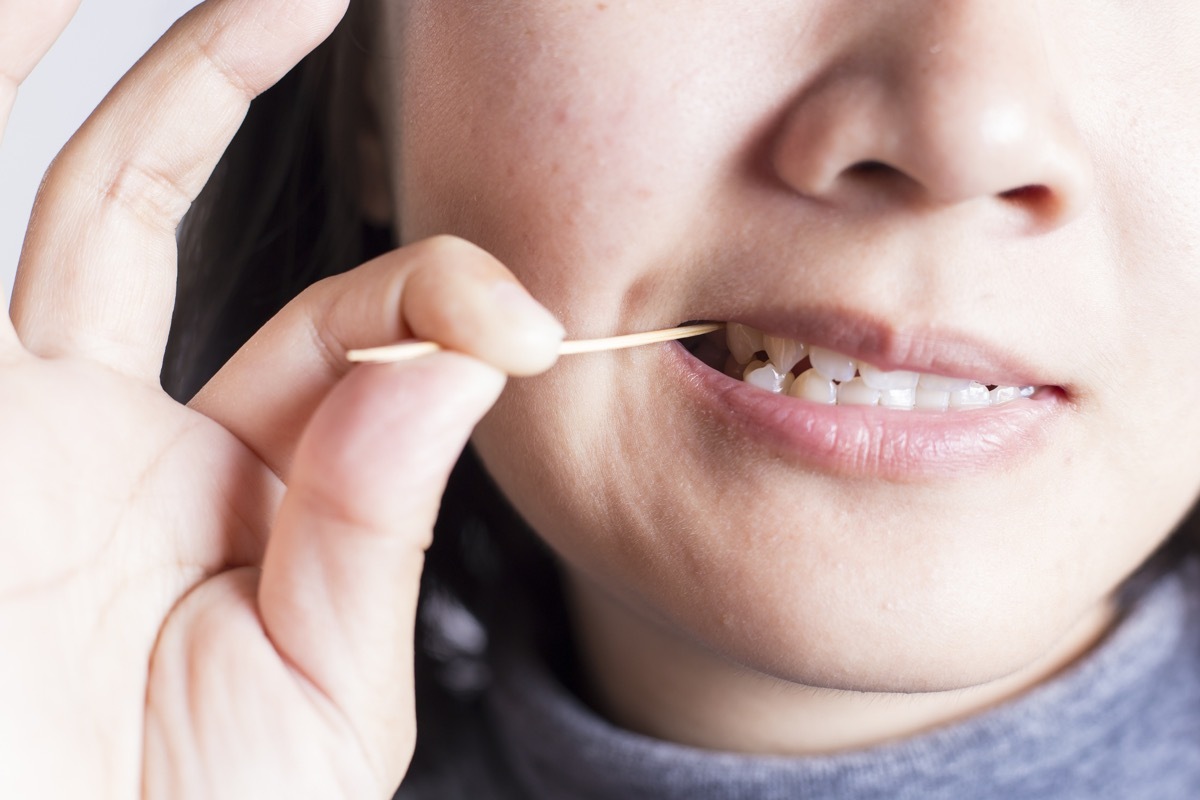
525	312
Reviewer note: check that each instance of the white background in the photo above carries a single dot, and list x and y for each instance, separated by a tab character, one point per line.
103	41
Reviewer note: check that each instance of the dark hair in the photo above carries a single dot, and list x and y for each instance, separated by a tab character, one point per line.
280	212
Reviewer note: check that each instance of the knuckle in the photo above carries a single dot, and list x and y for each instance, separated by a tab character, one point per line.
149	194
447	265
435	303
445	248
425	278
211	55
328	347
316	501
357	308
337	507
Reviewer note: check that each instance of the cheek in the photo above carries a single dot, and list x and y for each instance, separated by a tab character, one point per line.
497	137
1136	303
521	131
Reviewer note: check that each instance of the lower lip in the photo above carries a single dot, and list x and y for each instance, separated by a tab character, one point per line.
873	441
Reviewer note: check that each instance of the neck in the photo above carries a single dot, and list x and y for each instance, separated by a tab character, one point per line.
649	679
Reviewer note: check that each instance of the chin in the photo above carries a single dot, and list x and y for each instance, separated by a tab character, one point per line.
808	541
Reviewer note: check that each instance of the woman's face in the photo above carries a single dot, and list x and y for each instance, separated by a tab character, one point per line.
1005	192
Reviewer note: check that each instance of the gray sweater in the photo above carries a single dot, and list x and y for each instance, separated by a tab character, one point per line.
1122	723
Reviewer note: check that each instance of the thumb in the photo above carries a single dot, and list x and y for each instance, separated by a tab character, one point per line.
342	569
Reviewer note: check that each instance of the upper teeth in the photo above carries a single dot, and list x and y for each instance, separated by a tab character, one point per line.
831	377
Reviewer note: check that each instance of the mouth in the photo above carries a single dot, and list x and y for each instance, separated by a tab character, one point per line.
932	410
824	376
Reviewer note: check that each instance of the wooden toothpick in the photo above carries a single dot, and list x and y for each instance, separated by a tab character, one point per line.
409	350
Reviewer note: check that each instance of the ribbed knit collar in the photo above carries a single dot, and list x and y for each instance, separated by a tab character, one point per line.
1123	722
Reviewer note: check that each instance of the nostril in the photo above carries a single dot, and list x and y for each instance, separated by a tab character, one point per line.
1038	201
868	169
1033	195
876	179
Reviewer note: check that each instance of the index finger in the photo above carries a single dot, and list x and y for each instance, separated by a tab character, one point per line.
97	276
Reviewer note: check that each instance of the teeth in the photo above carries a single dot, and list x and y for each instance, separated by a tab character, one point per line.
784	353
932	399
1004	394
856	393
769	378
744	342
815	388
834	366
751	367
835	378
974	396
878	379
903	399
939	384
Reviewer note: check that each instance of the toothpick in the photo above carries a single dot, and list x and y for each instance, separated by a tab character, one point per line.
405	351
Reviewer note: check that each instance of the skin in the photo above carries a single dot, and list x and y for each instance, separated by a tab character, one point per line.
641	164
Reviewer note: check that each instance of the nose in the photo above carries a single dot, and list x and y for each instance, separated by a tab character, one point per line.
939	102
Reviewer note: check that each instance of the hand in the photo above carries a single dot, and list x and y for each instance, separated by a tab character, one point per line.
217	600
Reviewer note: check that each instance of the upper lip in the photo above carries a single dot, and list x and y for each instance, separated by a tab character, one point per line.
932	350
